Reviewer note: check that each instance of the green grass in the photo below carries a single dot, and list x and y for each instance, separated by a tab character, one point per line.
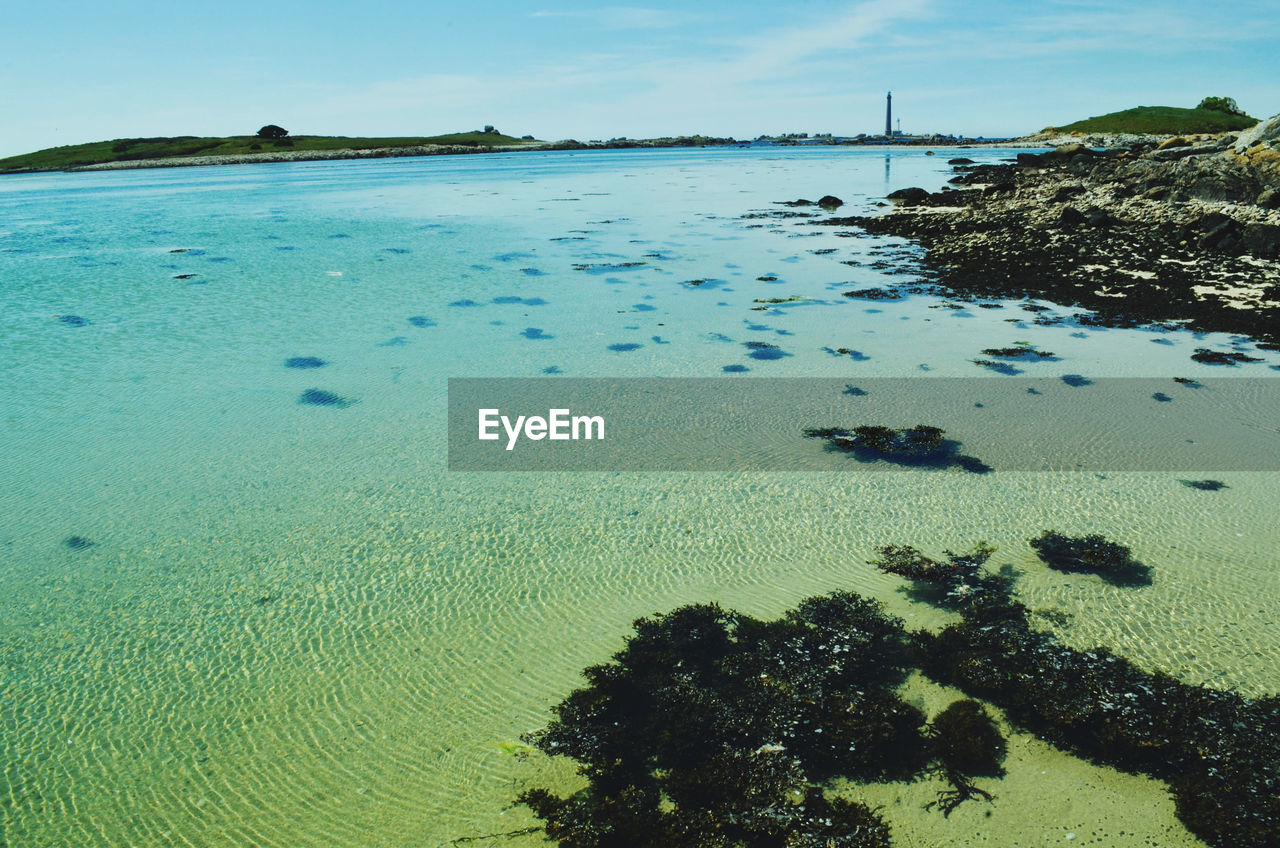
128	149
1161	120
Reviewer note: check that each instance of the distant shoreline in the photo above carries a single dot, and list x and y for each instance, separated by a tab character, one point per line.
940	143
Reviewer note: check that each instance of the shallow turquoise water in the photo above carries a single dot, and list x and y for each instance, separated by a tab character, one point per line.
295	627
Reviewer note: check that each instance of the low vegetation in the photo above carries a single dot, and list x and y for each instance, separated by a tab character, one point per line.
270	139
1165	120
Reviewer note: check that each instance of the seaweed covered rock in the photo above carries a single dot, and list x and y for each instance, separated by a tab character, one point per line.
715	728
1092	554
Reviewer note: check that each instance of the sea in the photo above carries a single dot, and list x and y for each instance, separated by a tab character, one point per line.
245	601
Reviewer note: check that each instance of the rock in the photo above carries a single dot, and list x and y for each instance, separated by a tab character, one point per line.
1176	141
1071	217
1262	133
1030	160
1096	217
1065	193
1269	199
909	196
1261	240
830	201
960	160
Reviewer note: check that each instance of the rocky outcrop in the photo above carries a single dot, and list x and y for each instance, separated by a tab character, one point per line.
1187	233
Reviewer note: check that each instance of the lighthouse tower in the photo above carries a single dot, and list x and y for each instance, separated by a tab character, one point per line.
888	115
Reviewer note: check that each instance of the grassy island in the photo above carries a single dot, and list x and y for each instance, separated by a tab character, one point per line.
185	146
1162	120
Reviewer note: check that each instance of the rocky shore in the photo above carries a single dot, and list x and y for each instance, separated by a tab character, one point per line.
1182	233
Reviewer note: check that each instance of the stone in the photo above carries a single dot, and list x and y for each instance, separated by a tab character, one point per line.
910	195
1261	134
1176	141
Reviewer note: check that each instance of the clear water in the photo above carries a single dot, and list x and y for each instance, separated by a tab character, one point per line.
294	627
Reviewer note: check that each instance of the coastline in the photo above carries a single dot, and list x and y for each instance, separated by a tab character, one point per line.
1033	141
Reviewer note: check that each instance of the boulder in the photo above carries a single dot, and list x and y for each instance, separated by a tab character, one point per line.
1176	141
960	160
1269	199
1263	133
1261	240
909	196
830	201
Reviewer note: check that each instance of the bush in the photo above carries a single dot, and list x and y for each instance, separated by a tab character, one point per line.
1221	104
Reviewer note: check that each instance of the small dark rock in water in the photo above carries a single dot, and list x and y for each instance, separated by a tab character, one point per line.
854	391
624	347
960	160
1218	357
1162	397
1093	554
874	294
830	201
421	321
1019	352
735	369
1188	382
1075	381
78	543
73	320
536	334
552	369
319	397
1205	485
909	195
304	362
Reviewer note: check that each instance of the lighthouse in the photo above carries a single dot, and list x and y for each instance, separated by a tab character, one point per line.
888	115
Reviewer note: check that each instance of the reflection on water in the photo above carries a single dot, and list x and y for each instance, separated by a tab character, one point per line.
290	625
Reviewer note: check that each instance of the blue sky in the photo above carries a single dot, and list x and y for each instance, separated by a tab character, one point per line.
72	72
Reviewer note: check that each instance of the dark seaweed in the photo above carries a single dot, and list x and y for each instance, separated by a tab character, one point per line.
319	397
1205	485
921	446
1093	554
304	362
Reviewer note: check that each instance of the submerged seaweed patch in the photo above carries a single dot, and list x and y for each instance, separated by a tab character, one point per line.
420	321
624	347
320	397
78	543
922	446
764	351
304	362
1093	554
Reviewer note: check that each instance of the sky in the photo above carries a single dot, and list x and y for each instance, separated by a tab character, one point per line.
73	71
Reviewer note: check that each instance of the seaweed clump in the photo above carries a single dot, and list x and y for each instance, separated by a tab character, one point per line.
966	743
1218	750
1094	554
712	728
920	446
